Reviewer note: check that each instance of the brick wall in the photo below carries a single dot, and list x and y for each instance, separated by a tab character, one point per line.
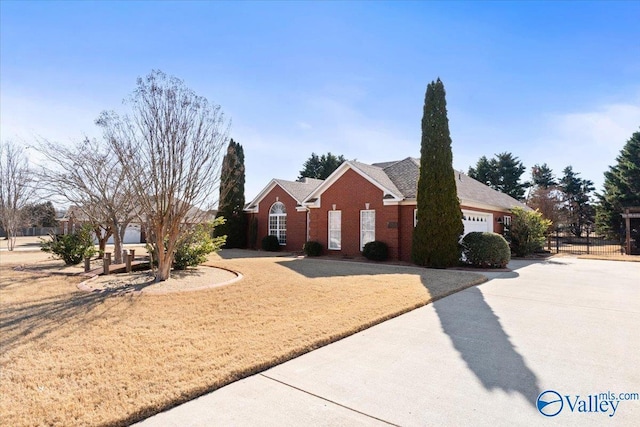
350	194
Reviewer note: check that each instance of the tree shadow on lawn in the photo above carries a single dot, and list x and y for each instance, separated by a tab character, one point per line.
35	319
322	268
250	253
477	334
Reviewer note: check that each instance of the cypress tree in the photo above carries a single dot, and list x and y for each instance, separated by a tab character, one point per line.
231	202
439	226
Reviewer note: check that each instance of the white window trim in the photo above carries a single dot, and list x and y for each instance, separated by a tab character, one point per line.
362	213
338	215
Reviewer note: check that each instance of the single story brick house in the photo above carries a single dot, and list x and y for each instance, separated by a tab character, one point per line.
360	203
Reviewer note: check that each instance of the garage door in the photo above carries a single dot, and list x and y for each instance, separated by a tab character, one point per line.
477	221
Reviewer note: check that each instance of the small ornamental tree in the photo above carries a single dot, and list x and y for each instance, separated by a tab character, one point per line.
169	145
439	226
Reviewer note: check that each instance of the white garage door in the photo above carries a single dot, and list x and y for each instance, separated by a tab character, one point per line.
477	221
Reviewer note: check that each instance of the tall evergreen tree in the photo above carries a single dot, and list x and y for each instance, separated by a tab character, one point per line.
232	200
542	176
621	189
439	226
577	191
485	172
320	167
501	173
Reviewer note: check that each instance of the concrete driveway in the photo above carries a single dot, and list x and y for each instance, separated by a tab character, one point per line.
479	357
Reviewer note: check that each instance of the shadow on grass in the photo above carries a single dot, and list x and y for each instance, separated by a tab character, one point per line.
249	253
318	268
477	334
36	318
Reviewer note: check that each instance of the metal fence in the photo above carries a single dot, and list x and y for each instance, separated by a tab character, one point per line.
585	245
38	231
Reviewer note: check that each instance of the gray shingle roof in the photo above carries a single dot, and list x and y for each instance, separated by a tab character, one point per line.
405	173
299	189
378	174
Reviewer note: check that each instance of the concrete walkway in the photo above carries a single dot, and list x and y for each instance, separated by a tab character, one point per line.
480	357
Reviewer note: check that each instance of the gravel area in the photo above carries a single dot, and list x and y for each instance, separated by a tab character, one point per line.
192	279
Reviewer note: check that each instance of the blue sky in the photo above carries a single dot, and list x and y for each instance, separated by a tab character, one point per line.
554	82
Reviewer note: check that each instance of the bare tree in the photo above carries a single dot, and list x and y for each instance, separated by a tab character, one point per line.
170	147
16	189
90	176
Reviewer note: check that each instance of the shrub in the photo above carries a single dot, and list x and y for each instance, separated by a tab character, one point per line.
194	246
485	250
71	248
270	243
197	244
526	234
312	248
376	251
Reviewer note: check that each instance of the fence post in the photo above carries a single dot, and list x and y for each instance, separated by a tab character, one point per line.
87	264
128	259
588	230
557	241
106	262
133	254
124	255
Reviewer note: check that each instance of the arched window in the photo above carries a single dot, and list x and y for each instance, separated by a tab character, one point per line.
278	222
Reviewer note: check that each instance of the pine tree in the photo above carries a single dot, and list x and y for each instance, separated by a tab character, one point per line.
542	176
439	226
320	167
501	173
231	204
621	189
576	192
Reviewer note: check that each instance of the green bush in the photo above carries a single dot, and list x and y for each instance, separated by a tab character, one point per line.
193	249
526	234
485	250
194	246
71	248
376	251
270	243
312	248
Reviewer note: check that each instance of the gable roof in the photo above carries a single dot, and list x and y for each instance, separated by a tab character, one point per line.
371	173
299	190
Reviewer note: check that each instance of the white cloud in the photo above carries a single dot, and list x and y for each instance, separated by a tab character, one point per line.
589	141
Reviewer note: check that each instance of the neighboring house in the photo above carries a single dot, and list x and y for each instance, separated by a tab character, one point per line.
360	203
135	231
74	218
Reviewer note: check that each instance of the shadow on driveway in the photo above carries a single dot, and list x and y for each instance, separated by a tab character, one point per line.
477	334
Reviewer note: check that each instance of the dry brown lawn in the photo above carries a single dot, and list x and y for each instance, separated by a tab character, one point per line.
74	358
